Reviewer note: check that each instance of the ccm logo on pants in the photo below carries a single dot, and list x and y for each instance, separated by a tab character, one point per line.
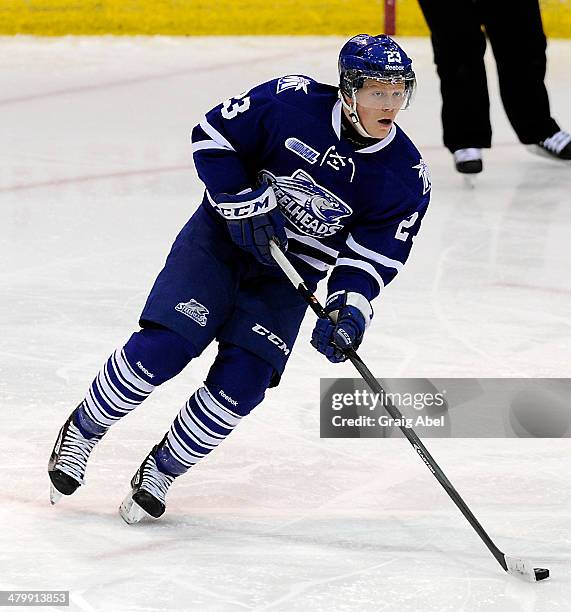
260	329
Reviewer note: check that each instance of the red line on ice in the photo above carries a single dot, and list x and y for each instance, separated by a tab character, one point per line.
136	80
92	177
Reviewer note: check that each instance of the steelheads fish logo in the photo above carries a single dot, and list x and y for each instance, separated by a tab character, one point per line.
194	310
310	208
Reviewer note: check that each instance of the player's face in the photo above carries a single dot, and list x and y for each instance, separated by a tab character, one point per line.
378	104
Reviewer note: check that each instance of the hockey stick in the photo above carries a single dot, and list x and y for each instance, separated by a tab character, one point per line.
512	565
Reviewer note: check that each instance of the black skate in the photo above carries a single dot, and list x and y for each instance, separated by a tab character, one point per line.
66	467
468	161
556	147
149	487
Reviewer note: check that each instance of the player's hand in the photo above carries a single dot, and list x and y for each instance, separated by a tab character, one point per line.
253	219
352	313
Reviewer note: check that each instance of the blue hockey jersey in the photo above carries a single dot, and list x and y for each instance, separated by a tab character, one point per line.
356	210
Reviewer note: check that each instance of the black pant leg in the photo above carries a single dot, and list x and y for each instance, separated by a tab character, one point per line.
516	34
459	46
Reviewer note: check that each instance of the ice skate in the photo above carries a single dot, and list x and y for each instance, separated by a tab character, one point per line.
468	161
556	147
148	492
68	461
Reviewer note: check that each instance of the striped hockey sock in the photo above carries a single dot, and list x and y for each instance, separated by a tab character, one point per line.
116	391
200	426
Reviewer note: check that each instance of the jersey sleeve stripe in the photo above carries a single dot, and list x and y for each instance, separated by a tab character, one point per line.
299	248
316	244
373	255
362	265
197	134
216	135
206	144
314	263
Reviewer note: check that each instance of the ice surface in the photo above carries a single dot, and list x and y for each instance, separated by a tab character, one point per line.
96	178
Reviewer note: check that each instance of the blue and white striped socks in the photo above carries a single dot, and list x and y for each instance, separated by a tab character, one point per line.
116	390
235	385
200	426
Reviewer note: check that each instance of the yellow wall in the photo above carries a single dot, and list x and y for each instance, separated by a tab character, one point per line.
219	17
189	17
556	18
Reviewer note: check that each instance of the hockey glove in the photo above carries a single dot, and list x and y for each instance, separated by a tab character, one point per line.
352	313
253	218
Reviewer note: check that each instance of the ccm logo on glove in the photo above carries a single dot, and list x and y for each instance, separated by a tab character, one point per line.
246	205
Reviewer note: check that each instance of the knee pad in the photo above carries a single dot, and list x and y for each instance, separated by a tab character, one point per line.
238	379
158	354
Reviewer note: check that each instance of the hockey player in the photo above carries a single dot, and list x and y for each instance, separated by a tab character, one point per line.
326	171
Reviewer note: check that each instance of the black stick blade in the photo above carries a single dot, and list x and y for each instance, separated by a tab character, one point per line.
541	573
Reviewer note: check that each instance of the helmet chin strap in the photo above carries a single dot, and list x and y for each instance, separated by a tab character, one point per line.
353	114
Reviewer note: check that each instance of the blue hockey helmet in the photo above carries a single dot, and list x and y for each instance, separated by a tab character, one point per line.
375	57
366	58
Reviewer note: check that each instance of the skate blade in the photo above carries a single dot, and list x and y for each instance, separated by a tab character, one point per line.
469	181
55	495
131	512
540	152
